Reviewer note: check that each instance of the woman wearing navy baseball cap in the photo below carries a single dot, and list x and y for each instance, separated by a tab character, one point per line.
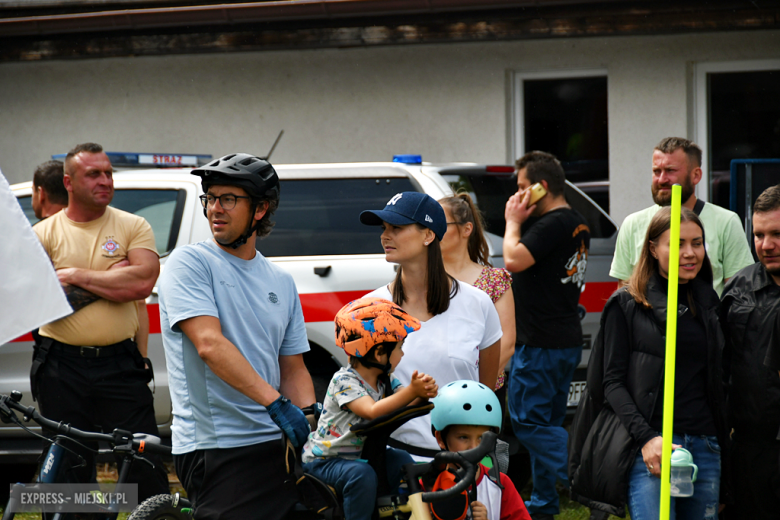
460	328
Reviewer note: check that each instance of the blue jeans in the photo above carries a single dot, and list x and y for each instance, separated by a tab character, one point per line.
538	391
644	490
355	481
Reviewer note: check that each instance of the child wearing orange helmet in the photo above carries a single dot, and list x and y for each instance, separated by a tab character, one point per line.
371	331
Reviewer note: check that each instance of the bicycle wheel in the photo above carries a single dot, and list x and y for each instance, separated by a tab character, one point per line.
161	507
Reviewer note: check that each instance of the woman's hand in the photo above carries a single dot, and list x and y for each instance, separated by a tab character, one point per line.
478	511
652	452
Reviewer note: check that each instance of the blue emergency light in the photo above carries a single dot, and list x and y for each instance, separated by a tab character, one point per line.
408	158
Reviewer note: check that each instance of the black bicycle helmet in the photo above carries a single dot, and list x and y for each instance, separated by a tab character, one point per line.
256	176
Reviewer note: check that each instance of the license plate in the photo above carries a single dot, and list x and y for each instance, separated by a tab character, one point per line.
575	392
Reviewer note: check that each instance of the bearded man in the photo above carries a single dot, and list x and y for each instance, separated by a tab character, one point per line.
678	161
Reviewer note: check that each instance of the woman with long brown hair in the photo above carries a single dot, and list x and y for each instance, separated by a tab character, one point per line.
466	257
615	445
460	331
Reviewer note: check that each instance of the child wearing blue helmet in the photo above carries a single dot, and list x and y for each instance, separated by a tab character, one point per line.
463	412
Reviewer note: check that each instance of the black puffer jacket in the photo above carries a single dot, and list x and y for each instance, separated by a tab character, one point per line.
603	446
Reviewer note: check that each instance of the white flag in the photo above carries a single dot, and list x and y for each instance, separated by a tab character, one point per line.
30	293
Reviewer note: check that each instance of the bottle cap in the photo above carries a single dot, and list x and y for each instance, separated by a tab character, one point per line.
681	457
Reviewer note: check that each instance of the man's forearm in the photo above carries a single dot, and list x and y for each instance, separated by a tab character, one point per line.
78	298
117	285
296	384
511	240
227	362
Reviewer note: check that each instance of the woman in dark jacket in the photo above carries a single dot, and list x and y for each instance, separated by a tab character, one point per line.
615	447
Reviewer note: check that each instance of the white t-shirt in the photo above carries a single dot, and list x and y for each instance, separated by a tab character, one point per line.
446	347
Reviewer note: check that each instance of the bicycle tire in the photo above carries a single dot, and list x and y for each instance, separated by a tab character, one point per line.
160	507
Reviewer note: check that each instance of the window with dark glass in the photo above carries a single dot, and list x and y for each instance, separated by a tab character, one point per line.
744	123
568	118
322	217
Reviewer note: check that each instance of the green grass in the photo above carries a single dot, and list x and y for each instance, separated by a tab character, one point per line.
37	516
570	509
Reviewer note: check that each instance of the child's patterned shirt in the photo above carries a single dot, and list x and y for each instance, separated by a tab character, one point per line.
332	437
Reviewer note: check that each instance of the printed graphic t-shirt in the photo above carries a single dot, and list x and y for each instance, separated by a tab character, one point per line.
95	245
260	313
547	293
332	437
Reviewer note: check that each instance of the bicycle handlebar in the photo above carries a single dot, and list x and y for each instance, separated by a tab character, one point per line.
140	443
468	459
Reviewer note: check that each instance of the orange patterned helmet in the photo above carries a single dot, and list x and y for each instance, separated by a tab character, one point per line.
367	322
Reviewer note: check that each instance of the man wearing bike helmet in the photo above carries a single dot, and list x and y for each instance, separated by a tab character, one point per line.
463	411
234	336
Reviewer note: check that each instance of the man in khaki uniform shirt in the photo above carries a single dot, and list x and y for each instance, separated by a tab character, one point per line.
87	370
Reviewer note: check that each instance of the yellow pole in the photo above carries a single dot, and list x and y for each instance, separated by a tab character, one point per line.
671	352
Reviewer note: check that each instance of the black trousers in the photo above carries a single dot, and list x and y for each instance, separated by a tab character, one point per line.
101	394
238	483
755	479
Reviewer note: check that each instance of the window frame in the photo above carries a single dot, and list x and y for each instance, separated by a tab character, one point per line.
701	103
516	146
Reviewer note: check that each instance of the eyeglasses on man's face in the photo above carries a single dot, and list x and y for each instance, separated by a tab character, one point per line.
227	201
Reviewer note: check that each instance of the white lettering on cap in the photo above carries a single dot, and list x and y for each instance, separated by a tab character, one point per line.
428	219
395	199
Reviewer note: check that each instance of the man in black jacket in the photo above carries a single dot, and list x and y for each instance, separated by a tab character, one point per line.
749	306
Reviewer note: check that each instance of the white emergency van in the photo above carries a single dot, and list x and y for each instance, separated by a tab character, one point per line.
319	239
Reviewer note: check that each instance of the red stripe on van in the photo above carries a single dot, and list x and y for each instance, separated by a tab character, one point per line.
153	310
316	307
324	306
596	295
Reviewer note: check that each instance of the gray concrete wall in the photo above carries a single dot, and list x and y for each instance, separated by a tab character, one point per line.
448	102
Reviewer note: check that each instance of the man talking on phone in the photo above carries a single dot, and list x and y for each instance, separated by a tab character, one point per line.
546	248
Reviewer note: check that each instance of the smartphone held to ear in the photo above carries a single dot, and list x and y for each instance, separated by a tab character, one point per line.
537	192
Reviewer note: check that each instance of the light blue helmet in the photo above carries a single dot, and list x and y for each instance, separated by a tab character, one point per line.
466	402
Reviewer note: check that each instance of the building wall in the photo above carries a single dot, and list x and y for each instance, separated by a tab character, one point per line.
449	102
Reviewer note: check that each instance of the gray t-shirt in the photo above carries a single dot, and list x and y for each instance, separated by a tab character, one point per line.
332	437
